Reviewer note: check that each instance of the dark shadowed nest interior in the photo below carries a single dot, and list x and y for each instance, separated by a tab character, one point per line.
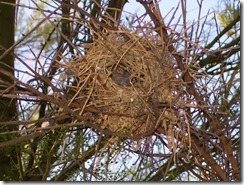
131	82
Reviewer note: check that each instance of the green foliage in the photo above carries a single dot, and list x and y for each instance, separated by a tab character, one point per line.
228	14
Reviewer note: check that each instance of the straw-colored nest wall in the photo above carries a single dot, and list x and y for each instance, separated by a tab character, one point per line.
124	80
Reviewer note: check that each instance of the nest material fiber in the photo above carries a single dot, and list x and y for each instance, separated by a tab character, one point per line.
124	79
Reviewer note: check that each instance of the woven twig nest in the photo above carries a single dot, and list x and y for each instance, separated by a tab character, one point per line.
124	79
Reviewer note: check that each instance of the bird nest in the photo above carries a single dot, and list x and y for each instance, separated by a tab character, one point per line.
123	81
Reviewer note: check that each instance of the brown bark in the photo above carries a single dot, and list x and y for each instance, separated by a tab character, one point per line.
8	111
